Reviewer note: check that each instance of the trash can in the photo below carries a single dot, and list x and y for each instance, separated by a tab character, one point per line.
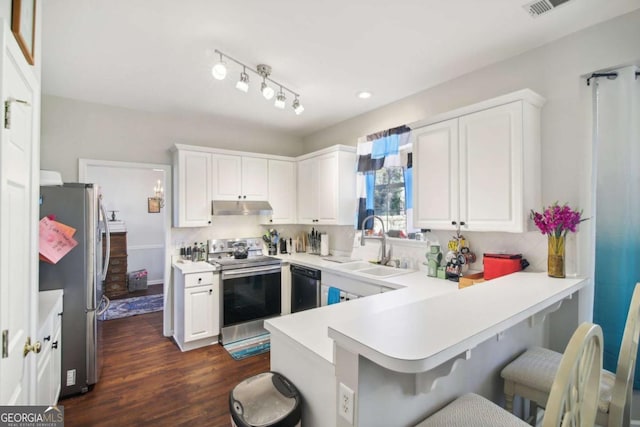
265	400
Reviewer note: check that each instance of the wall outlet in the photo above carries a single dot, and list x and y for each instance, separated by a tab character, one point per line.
346	402
71	377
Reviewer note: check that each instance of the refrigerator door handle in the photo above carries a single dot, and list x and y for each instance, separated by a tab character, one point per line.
107	304
108	237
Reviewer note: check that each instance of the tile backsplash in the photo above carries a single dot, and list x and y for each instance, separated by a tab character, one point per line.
344	241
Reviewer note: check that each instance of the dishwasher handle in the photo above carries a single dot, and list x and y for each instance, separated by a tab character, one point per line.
304	271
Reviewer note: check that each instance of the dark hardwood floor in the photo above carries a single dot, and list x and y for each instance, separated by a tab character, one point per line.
147	380
151	290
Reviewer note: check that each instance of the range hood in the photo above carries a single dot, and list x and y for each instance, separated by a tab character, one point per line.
241	207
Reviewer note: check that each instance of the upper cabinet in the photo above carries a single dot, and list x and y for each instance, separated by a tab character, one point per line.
192	188
239	177
479	167
326	186
282	192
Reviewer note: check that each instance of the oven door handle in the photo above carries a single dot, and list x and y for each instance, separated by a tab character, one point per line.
248	272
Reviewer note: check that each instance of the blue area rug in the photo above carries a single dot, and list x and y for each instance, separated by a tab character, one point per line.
131	306
249	347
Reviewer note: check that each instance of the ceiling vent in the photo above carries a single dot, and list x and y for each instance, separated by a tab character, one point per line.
539	7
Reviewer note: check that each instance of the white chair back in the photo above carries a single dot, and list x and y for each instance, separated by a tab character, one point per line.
573	400
621	395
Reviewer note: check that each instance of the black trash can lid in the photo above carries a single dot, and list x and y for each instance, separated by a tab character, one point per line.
266	399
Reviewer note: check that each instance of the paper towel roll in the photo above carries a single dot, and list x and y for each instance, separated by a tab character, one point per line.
324	244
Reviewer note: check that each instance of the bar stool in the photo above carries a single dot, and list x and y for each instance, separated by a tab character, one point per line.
573	397
531	375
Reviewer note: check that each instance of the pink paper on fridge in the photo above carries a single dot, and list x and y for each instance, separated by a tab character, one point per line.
55	241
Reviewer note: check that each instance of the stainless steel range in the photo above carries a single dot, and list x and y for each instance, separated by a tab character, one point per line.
251	287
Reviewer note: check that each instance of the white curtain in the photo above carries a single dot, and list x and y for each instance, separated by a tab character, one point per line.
617	216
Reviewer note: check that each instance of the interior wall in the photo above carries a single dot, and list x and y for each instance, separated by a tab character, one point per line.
555	71
74	129
126	190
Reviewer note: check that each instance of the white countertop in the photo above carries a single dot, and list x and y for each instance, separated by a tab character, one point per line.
419	336
194	267
310	328
376	326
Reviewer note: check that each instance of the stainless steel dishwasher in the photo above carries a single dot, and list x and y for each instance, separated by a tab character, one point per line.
305	288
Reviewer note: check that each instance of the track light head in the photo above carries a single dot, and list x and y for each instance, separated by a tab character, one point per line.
219	71
267	91
297	107
243	83
280	100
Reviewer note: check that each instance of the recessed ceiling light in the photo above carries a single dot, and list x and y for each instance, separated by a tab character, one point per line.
364	94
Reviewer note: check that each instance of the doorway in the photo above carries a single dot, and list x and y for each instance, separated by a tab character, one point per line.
144	224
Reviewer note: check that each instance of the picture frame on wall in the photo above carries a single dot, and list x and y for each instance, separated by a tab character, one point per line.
153	205
23	26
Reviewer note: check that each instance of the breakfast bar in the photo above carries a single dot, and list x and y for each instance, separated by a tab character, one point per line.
405	353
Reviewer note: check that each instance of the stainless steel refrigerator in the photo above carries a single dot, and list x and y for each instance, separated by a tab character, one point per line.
80	274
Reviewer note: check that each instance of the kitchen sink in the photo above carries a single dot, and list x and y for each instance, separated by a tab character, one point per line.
371	269
353	266
382	271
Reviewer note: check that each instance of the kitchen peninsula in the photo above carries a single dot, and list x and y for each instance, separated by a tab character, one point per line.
407	352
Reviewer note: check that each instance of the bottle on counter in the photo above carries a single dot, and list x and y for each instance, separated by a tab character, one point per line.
203	252
194	252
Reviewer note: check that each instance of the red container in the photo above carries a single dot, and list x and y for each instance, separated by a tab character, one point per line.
496	265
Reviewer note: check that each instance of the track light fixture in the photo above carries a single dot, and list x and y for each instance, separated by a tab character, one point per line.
219	72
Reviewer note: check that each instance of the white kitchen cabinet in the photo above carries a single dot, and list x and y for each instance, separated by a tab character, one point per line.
326	186
282	192
49	359
197	308
192	186
481	169
239	177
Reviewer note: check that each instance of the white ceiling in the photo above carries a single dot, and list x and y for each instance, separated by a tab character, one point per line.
156	55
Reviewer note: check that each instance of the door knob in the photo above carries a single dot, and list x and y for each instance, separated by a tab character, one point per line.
35	347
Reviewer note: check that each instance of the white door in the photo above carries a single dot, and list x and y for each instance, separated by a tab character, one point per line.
255	175
199	307
435	172
307	191
227	177
327	192
18	223
195	189
491	168
282	191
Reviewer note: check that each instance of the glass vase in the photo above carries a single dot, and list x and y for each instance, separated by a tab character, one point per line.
555	261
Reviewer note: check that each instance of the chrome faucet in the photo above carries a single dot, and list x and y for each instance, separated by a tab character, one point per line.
384	259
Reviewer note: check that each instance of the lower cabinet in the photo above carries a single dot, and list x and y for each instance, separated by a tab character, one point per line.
197	309
49	360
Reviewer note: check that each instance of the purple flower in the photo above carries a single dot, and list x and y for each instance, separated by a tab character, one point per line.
557	220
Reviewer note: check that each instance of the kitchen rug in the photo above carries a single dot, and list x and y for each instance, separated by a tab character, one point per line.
249	347
131	306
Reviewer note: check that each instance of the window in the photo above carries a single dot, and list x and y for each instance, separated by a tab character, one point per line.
390	201
389	198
